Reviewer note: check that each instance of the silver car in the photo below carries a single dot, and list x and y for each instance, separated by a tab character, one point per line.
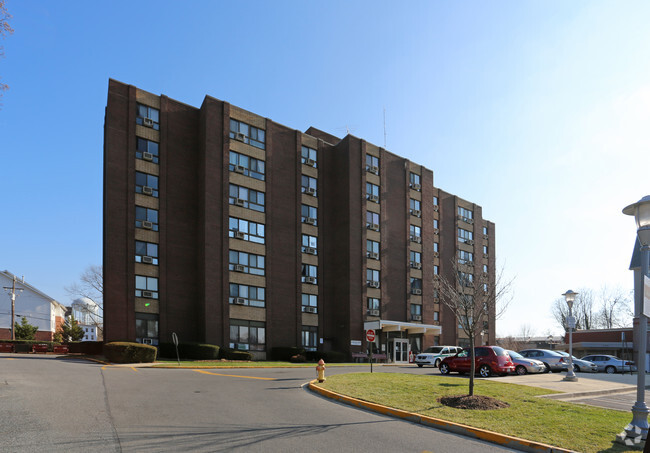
434	355
524	365
580	364
610	364
552	360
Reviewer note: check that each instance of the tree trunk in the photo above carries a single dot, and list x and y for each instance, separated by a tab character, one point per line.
472	367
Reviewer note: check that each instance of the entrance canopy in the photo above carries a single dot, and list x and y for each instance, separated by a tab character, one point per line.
399	326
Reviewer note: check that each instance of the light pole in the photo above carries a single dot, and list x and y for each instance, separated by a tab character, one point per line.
12	295
639	424
570	296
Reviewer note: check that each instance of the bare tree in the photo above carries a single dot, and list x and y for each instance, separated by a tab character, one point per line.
526	332
473	301
5	29
607	309
91	286
615	308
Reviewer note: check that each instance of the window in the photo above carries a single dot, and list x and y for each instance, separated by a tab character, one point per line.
372	277
247	335
436	316
146	252
248	166
146	218
247	134
465	279
465	257
146	184
485	269
436	270
416	283
372	192
465	235
436	247
246	198
309	244
372	164
415	206
309	274
373	303
249	231
146	150
247	295
372	249
414	180
416	257
309	214
308	156
372	220
415	233
146	326
310	303
146	287
466	214
245	262
148	116
416	311
485	230
485	249
435	201
309	338
309	185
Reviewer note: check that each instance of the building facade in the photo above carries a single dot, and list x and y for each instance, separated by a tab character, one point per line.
228	228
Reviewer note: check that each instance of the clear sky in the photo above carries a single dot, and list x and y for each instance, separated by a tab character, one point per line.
537	111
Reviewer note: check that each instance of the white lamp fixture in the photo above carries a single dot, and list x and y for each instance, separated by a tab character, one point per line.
570	296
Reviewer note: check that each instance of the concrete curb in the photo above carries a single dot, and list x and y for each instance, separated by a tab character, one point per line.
456	428
587	394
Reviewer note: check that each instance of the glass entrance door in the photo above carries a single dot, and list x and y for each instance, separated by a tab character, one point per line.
401	350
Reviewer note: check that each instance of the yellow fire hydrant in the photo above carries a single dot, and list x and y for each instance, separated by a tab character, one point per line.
320	370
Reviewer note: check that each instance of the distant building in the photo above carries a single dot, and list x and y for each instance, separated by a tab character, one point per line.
87	313
40	309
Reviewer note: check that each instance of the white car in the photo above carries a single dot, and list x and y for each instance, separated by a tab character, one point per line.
434	355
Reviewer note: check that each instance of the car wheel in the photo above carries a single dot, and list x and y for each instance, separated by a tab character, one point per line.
610	370
521	370
420	365
444	368
576	368
548	368
484	371
437	364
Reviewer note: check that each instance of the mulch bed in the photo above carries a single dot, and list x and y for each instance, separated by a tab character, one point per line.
476	402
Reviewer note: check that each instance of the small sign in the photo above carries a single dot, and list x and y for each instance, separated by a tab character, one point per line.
571	322
355	342
370	335
646	296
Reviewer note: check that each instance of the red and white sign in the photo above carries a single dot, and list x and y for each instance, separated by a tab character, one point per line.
370	335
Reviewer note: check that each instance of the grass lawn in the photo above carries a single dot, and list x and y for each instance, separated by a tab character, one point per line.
567	425
228	364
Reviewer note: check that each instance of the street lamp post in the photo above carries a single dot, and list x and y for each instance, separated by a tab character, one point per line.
639	424
570	296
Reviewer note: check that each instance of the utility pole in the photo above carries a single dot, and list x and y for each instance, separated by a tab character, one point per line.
13	305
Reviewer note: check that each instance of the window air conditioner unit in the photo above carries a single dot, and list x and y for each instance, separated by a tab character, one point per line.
373	226
239	301
373	198
436	255
373	284
372	169
238	202
310	191
436	231
147	225
147	260
311	310
469	242
310	220
147	341
416	265
373	312
415	186
486	237
240	136
147	294
239	235
147	122
240	169
436	300
416	239
416	212
147	156
416	318
416	291
147	190
310	250
310	162
485	255
470	221
436	207
310	280
238	268
373	255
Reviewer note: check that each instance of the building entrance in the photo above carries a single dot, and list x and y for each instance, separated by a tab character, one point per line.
400	350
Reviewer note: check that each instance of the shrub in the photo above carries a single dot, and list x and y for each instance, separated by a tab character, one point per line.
333	357
126	352
298	358
167	350
285	353
197	351
234	354
85	347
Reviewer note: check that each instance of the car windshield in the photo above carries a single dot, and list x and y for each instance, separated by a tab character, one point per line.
515	355
499	351
433	350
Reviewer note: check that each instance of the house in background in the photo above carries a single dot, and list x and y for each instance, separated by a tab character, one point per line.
87	313
40	309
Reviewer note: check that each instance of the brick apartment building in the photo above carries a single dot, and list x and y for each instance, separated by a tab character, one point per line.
228	228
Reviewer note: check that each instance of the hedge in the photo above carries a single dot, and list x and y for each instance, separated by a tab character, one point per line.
26	345
285	353
127	352
191	351
235	354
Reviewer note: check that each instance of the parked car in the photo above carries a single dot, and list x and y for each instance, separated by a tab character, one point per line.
435	354
488	359
554	362
579	364
524	365
610	364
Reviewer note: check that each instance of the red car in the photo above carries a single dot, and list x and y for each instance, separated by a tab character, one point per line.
489	360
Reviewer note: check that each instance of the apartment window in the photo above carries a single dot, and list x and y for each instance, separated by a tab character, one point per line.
309	274
148	116
485	269
414	180
308	156
247	263
436	247
372	249
416	257
373	303
435	201
436	270
415	233
485	230
465	257
246	198
372	277
146	150
435	223
436	316
254	296
146	327
146	218
465	213
248	166
309	185
309	244
246	230
372	192
247	335
465	279
146	252
146	184
372	164
485	249
310	303
416	311
310	338
416	283
146	287
247	134
415	205
485	287
372	220
309	214
465	235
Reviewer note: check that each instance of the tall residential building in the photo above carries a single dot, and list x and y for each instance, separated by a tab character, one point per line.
228	228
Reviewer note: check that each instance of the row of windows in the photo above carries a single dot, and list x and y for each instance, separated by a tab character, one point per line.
247	263
246	198
247	134
246	230
251	335
247	295
248	166
146	184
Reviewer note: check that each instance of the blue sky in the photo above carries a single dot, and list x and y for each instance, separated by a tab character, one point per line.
537	111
